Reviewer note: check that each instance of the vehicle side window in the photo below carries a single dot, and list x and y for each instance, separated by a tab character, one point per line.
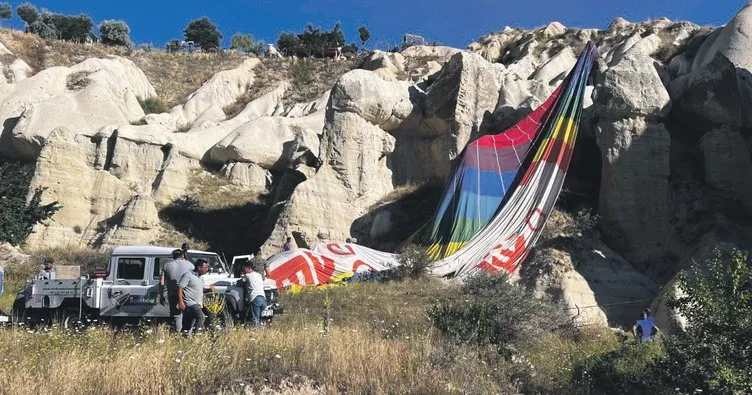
131	268
159	263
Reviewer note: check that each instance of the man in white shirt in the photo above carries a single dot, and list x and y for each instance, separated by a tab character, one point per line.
255	298
48	273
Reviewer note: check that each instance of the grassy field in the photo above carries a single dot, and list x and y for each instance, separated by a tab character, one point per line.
378	339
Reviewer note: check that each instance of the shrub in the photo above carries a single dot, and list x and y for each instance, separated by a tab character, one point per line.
153	105
6	11
17	217
623	371
78	80
364	35
27	12
413	262
302	73
204	33
288	43
713	353
114	32
42	29
494	311
246	43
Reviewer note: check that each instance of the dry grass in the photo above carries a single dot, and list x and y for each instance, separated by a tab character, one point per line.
16	273
213	191
309	78
171	237
41	54
378	340
176	75
78	80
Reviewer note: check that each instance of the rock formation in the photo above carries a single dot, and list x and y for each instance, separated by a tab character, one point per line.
667	110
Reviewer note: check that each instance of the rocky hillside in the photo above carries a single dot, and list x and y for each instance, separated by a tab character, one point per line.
322	153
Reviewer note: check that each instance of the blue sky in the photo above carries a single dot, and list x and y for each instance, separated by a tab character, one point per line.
451	22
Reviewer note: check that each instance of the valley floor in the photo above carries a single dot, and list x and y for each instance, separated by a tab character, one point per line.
378	338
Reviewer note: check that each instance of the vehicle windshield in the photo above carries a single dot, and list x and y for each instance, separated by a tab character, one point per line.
215	264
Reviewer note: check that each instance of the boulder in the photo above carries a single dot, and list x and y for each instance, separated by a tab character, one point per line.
136	223
710	96
728	164
207	102
462	98
385	63
631	87
249	175
263	140
554	71
84	98
439	53
87	195
634	192
353	176
371	96
732	41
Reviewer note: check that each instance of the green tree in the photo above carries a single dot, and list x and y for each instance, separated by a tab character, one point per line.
114	32
246	43
204	33
42	29
288	43
713	354
364	34
28	13
6	11
17	217
241	41
173	46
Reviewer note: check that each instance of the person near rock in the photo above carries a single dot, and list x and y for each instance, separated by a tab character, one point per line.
185	248
191	297
650	315
172	272
644	329
255	298
288	245
48	273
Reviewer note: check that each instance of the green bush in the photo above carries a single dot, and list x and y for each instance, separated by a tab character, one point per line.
115	33
17	218
27	12
713	354
153	105
204	33
627	370
493	311
413	262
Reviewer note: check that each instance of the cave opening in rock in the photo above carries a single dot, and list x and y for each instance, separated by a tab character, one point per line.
582	184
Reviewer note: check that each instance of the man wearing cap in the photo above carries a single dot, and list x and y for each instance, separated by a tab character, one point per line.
172	272
48	273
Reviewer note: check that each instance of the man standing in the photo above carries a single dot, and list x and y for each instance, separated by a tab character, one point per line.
288	245
258	263
48	273
191	297
644	329
172	272
255	298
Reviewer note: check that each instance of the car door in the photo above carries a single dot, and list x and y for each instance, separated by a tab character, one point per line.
155	309
127	295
